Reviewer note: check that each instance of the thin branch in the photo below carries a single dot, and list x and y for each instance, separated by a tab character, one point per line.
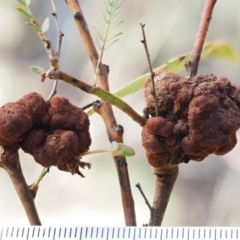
34	187
192	66
165	179
144	42
104	95
60	34
87	106
146	201
9	160
115	131
88	42
59	45
53	57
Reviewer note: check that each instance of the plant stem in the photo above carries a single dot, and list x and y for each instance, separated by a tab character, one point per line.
88	41
144	42
192	66
165	179
59	45
115	131
99	92
9	160
146	201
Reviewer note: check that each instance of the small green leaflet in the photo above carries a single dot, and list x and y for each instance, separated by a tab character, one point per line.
45	25
22	2
120	149
36	69
35	28
25	13
27	2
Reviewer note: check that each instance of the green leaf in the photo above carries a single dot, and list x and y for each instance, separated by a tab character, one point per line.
221	50
45	25
27	2
22	2
120	149
174	65
25	13
34	27
217	50
36	69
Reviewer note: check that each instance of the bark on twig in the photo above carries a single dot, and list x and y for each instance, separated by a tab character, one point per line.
192	66
165	179
102	94
115	131
146	201
9	160
59	45
102	80
144	42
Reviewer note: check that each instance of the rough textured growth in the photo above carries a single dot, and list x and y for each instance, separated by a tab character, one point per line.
198	116
14	122
53	132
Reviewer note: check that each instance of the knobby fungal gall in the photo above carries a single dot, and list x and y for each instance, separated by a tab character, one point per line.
54	132
198	116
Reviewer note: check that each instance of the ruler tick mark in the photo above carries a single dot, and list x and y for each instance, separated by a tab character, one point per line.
102	232
27	233
80	234
38	233
17	232
91	232
118	233
75	234
107	233
54	233
113	233
33	231
134	234
1	234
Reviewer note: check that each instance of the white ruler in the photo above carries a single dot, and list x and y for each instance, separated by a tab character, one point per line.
120	233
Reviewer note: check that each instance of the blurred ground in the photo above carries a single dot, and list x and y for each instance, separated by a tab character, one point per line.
205	193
